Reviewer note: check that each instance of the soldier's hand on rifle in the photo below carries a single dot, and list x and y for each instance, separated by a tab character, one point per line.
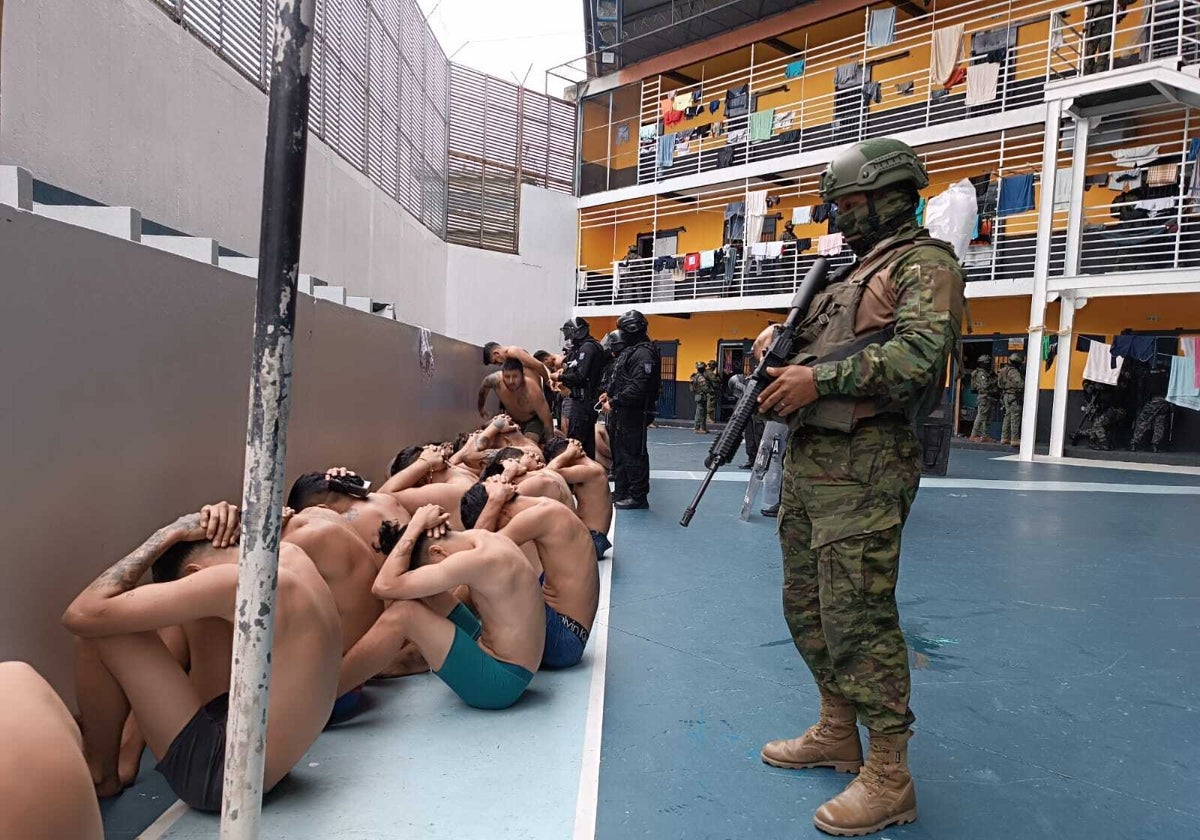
793	388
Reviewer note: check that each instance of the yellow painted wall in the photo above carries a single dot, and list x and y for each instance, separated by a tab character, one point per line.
992	317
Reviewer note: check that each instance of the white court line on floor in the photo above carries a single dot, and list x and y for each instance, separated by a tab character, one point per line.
587	801
983	484
1132	466
165	820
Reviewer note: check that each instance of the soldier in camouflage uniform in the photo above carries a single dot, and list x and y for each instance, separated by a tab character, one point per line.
1012	398
983	383
700	391
714	388
1154	415
851	473
1103	430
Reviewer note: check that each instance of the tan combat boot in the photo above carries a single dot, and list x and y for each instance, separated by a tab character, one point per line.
880	796
831	742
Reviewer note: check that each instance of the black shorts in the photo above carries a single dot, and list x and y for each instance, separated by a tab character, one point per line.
194	765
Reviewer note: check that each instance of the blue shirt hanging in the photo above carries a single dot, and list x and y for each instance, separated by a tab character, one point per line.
1016	195
794	70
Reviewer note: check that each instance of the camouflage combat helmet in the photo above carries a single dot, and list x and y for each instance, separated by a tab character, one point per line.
700	366
1016	359
985	359
872	165
712	363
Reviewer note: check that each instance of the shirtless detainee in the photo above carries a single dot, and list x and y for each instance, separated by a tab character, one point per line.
46	791
589	482
480	447
567	555
528	471
121	662
487	661
495	353
521	397
416	466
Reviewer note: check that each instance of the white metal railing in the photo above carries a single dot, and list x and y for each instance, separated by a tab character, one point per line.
638	281
1100	35
1051	45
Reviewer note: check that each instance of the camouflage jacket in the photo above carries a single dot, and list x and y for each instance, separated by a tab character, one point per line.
928	283
983	382
1011	381
700	385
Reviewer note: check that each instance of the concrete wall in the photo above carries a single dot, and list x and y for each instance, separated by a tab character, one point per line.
518	298
115	101
124	373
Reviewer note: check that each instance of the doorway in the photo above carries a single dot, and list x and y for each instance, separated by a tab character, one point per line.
733	356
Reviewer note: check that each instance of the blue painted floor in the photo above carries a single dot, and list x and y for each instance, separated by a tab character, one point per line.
1056	669
1055	653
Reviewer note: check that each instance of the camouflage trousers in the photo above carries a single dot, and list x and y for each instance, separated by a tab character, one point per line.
712	407
983	416
1010	429
1104	428
1153	416
844	502
700	422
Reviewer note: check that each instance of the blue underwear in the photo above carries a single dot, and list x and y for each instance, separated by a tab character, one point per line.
565	640
602	544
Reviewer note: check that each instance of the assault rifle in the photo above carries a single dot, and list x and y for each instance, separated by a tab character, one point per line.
781	350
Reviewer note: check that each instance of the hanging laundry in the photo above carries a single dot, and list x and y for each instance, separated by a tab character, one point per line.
667	105
693	111
622	134
756	209
993	40
648	132
1121	181
1143	348
737	101
739	136
1195	354
1096	180
758	250
735	208
691	262
683	101
1162	175
666	151
1135	156
773	200
848	76
782	119
1049	349
724	157
872	92
717	128
714	106
1099	366
790	136
1194	186
802	244
1182	389
981	83
1062	188
706	259
802	215
957	76
1016	195
774	250
906	87
794	69
978	255
682	147
830	245
760	125
1193	148
938	94
881	27
821	212
947	52
1154	206
673	118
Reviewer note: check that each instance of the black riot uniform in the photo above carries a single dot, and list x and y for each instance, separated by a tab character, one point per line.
582	368
633	393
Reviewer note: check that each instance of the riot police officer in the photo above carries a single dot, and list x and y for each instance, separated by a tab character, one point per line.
583	364
631	398
700	391
851	474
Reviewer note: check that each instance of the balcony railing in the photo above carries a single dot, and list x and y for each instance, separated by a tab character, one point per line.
1032	43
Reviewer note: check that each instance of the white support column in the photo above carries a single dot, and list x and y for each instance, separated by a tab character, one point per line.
1041	276
1068	303
1062	373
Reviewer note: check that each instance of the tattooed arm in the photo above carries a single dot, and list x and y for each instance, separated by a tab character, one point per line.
490	383
107	605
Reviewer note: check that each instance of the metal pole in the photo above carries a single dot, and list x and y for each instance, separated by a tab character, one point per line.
266	433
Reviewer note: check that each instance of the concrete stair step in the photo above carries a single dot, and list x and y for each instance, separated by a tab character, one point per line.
196	248
122	222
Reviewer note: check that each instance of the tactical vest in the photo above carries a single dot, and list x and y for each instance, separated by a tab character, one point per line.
829	326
